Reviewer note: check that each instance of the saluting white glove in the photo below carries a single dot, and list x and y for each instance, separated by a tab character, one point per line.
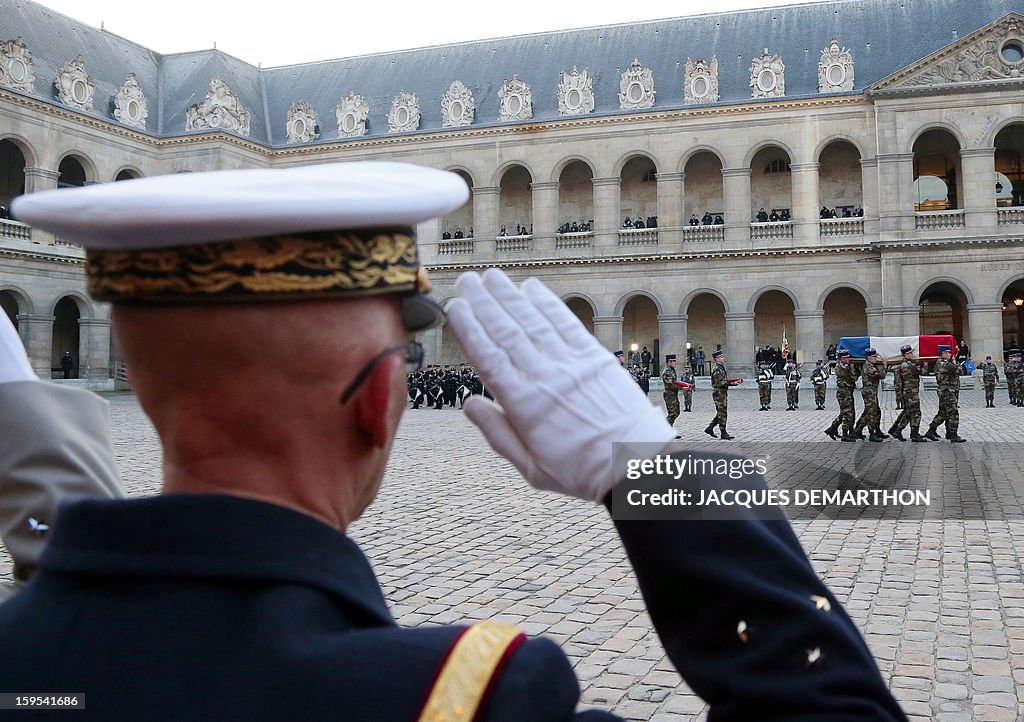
564	398
14	364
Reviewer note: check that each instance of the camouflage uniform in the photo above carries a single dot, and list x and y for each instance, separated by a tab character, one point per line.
846	382
990	376
670	394
909	375
720	394
1014	370
793	387
871	376
897	383
947	376
687	378
819	378
764	386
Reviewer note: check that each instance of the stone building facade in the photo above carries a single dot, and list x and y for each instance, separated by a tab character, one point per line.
871	109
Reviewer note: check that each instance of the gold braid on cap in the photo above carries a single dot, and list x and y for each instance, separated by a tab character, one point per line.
307	265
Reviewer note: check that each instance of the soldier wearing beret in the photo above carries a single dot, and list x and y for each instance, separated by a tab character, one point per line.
947	378
244	563
909	373
765	375
989	377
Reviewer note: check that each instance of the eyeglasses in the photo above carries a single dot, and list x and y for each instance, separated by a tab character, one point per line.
413	363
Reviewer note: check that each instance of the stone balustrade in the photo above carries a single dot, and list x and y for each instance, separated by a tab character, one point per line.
939	220
580	239
15	229
455	247
638	237
833	227
771	231
1011	216
513	244
703	234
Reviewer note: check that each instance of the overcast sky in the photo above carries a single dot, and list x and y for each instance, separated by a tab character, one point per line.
298	31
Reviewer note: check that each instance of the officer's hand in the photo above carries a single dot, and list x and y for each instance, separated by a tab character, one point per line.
14	365
564	398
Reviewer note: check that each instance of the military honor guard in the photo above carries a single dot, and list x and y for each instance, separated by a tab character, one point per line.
1014	370
670	392
846	382
720	383
872	374
620	356
765	374
819	379
897	386
989	378
909	374
793	377
947	377
687	383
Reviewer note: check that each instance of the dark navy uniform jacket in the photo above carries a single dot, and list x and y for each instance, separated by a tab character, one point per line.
220	608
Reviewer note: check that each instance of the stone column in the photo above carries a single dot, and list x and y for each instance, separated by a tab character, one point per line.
36	332
94	348
485	216
896	204
739	343
431	341
40	179
979	184
545	216
608	331
736	188
876	321
606	212
670	207
810	335
806	229
869	195
910	317
985	331
672	335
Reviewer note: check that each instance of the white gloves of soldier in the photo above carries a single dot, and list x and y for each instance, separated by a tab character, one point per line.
14	365
564	398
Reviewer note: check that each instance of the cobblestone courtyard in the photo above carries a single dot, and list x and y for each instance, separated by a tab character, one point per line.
456	535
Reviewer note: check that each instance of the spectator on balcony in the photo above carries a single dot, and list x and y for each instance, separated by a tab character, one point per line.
628	223
762	216
458	232
502	232
847	213
694	220
639	223
774	217
719	220
859	213
708	218
470	234
574	228
446	236
652	222
825	212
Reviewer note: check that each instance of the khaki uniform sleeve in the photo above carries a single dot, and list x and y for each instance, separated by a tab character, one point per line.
54	445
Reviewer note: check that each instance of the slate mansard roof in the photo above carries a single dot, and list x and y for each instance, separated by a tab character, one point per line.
883	36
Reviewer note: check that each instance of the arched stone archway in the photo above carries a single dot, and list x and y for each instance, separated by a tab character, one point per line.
515	205
703	186
705	325
1013	316
774	315
582	310
944	310
126	174
938	180
12	173
839	178
771	182
9	304
72	173
638	195
66	336
459	223
575	195
845	314
1009	188
639	326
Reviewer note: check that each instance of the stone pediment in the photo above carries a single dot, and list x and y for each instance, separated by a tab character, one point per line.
992	53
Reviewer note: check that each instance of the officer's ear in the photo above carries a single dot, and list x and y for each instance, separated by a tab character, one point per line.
377	412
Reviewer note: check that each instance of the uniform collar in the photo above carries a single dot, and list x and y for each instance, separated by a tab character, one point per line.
212	537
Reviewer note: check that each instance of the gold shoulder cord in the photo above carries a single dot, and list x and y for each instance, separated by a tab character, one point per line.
467	672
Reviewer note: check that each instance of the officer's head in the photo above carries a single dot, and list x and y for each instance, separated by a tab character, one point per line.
945	352
844	356
719	356
670	359
907	350
870	355
270	326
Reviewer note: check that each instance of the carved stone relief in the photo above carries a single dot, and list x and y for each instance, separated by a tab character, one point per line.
405	113
701	81
352	113
1000	54
219	110
835	69
130	106
576	93
457	106
75	87
16	66
767	76
516	100
301	125
636	88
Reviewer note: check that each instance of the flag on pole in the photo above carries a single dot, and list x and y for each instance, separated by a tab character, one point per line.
785	344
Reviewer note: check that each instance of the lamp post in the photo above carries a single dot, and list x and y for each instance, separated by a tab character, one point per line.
632	352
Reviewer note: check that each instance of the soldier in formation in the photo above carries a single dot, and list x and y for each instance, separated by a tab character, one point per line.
793	377
436	386
989	377
846	381
1014	371
687	378
642	374
670	392
764	384
909	374
720	383
947	376
819	379
872	374
897	385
